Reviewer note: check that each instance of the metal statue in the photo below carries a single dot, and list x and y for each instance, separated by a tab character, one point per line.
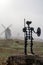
28	35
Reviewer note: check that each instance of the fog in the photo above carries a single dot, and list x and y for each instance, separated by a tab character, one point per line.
14	11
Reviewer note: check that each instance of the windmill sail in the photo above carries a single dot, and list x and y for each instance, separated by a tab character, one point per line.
7	32
3	26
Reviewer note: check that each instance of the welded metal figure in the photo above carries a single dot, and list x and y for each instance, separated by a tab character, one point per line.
28	35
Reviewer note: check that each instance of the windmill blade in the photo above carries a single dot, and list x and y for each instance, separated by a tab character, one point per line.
2	32
3	26
5	29
9	25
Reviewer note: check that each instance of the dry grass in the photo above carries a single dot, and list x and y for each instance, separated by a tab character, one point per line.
16	47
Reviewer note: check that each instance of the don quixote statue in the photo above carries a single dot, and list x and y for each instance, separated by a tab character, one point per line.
28	31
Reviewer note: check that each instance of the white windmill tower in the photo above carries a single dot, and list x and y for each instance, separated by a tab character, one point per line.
7	32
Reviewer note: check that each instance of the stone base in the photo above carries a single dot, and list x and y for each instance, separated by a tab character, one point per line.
24	60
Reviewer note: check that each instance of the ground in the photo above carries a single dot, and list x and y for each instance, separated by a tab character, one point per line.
16	47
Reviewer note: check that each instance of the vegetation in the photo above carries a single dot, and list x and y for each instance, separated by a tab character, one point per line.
12	47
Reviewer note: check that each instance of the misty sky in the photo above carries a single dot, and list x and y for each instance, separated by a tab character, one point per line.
14	11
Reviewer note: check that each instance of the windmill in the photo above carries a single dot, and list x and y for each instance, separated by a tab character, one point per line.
7	32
